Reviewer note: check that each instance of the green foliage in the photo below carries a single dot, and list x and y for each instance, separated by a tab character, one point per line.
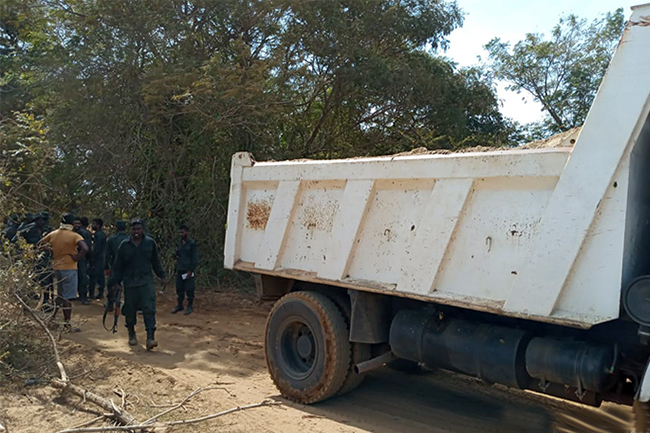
143	103
563	71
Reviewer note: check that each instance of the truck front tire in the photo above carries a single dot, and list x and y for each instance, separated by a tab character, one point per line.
307	347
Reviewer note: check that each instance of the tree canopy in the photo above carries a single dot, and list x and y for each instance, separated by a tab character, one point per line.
116	108
563	71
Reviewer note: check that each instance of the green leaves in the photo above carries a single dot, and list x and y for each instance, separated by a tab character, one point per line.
143	103
563	71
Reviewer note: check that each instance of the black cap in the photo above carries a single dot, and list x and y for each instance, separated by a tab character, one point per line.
68	218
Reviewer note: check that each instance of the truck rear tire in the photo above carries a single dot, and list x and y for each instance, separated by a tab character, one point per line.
307	347
360	351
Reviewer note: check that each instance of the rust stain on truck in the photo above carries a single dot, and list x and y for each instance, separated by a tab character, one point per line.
257	214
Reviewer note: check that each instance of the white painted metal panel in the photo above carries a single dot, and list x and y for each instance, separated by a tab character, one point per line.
396	206
310	229
498	227
430	238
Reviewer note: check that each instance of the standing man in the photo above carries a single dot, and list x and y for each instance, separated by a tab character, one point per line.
137	259
112	244
99	257
35	231
82	274
187	256
68	248
27	223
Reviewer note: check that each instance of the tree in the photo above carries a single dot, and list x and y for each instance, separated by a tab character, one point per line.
143	103
561	72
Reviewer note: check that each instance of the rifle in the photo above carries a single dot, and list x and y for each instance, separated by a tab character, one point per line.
113	303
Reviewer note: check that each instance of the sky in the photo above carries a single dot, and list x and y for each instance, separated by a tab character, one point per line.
510	20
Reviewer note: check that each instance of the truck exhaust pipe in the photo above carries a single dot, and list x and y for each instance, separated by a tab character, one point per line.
374	363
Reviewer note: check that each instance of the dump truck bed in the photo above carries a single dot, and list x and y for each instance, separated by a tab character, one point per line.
545	234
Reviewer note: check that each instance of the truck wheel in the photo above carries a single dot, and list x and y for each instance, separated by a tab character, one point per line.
360	351
641	417
307	347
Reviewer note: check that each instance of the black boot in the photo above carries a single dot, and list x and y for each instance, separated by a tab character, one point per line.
133	340
190	308
178	307
151	340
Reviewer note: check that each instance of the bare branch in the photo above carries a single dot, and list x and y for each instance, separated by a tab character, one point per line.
179	405
171	423
57	357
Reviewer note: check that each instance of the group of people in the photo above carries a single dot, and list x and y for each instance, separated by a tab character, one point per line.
81	259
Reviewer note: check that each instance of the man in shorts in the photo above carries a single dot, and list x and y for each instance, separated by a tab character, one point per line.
68	247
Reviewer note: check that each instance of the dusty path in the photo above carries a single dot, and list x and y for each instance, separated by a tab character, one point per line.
222	343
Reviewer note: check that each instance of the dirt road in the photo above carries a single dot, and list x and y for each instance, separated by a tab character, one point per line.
222	343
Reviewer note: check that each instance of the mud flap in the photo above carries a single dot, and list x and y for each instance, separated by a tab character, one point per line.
643	393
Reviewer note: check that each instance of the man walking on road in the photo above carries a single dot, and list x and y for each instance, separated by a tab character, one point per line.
68	249
187	257
137	259
82	275
97	264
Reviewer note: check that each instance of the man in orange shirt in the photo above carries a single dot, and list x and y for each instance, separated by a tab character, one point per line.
68	247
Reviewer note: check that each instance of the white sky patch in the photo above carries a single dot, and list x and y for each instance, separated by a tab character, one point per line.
510	20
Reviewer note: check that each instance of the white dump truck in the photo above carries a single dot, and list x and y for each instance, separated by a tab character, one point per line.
525	267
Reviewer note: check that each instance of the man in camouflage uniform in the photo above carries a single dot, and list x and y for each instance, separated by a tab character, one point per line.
137	259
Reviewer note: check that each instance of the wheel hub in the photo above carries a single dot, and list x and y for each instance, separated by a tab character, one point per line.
298	348
305	346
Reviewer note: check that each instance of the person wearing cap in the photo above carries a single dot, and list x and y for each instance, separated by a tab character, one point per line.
136	262
112	244
99	258
28	223
82	274
187	256
33	232
68	248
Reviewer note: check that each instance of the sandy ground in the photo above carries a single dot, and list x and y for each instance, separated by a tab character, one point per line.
222	344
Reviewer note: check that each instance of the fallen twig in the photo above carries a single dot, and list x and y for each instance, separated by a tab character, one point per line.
92	421
185	400
153	427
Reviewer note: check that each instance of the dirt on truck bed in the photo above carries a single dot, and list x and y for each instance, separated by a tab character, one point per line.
222	344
